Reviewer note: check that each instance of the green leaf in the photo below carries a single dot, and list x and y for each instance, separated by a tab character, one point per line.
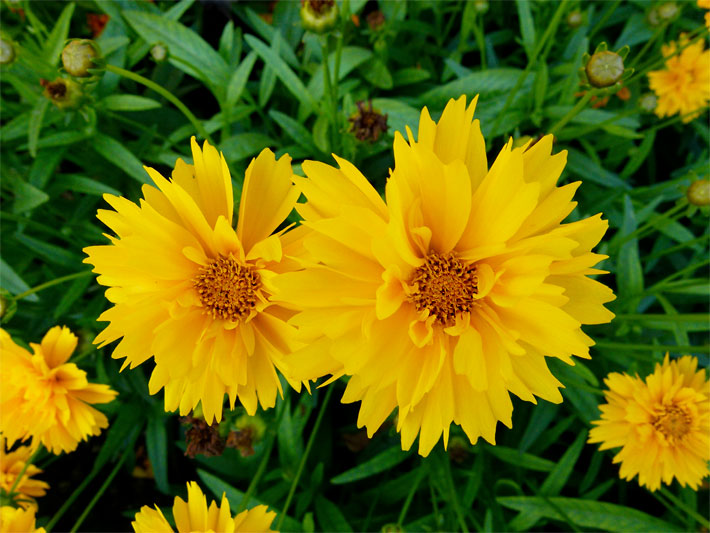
517	458
35	125
75	291
486	83
527	26
13	283
63	138
156	441
629	274
557	479
409	76
129	421
295	130
114	152
377	73
384	461
640	155
581	165
398	114
54	44
86	185
239	79
128	102
589	513
27	197
187	50
283	71
50	252
329	516
243	145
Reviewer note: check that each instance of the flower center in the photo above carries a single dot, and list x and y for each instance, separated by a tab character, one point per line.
445	287
674	423
227	289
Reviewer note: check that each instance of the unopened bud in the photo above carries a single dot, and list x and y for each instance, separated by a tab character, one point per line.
368	124
648	102
668	11
699	193
376	20
319	15
575	19
79	56
481	6
159	52
604	68
63	92
392	528
7	51
458	449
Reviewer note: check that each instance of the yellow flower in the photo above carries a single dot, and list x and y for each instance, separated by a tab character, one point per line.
11	464
18	520
194	516
449	296
193	292
662	424
683	87
44	397
705	4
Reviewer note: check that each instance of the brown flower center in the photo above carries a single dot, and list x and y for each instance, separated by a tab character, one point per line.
227	289
674	422
445	287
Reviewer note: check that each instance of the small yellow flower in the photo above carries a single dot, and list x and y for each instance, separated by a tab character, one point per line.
662	424
11	464
44	397
683	86
18	520
705	4
195	516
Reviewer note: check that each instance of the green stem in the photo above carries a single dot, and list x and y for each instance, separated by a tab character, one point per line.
70	500
480	39
648	44
452	496
100	492
24	469
673	213
602	20
410	496
165	94
581	104
551	28
302	464
325	47
679	503
667	122
652	347
677	247
578	132
664	318
56	281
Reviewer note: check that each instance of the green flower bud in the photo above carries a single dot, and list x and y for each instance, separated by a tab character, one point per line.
64	93
648	102
668	11
698	193
392	528
79	56
481	6
575	19
604	68
319	15
159	52
7	51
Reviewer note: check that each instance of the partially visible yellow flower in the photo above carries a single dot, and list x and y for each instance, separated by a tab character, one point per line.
662	424
705	4
11	464
18	520
192	291
45	398
449	296
195	516
683	86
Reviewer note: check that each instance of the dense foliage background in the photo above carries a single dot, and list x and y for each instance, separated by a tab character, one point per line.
254	78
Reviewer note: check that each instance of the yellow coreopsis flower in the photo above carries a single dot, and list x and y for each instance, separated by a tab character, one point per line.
195	516
44	397
11	464
449	296
662	424
18	520
683	86
193	292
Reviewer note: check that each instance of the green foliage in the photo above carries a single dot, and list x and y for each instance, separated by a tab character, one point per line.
255	79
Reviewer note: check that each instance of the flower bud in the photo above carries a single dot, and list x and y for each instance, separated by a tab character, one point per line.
481	6
604	68
368	124
698	193
159	52
668	11
63	92
8	305
79	56
376	20
7	51
250	430
575	19
459	449
648	102
319	15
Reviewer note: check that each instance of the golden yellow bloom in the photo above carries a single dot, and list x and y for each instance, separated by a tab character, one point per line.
662	424
705	4
449	296
18	520
194	516
193	292
11	464
683	87
44	397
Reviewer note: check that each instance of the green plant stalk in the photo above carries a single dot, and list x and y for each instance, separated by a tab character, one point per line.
69	501
24	469
551	28
648	44
592	127
664	318
604	18
452	496
669	122
53	282
679	503
165	94
675	248
100	492
673	213
651	347
680	273
578	107
302	464
478	32
410	496
328	88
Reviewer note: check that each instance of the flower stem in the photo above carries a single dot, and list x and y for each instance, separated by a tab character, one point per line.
672	214
410	496
331	101
165	94
302	464
652	347
679	503
578	107
53	282
648	44
604	18
19	477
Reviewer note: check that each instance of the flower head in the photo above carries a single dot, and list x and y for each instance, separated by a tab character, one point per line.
11	464
44	397
683	86
18	520
449	296
195	516
192	291
662	424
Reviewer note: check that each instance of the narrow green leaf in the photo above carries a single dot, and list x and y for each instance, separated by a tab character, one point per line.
239	79
295	130
129	420
13	283
581	165
385	460
35	125
517	458
114	152
54	44
556	479
629	274
27	196
156	441
589	513
49	252
128	102
486	83
527	26
72	293
409	76
86	185
329	516
377	73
